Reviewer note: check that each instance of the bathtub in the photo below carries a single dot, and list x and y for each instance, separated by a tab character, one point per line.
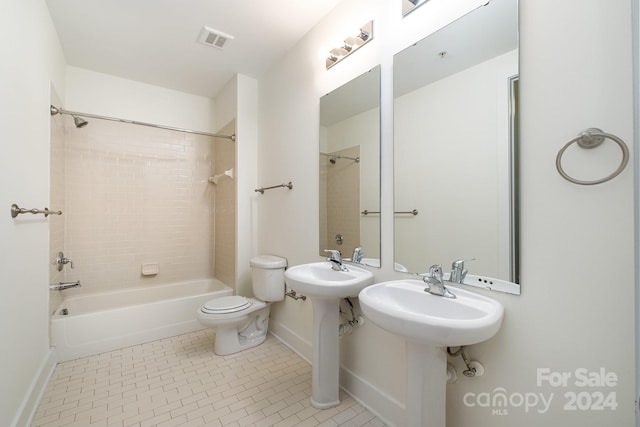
105	321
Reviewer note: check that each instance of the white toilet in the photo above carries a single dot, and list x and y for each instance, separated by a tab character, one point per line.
241	322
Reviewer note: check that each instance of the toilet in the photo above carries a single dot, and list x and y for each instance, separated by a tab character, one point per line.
241	322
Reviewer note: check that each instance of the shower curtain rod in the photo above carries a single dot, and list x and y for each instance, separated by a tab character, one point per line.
56	110
338	156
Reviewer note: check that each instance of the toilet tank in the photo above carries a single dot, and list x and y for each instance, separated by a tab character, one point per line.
267	277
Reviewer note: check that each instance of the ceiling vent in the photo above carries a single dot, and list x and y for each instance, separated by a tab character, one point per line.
214	38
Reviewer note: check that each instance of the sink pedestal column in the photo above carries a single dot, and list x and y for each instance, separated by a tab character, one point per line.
326	356
426	385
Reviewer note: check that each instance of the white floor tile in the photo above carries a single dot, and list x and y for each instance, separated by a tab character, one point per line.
179	381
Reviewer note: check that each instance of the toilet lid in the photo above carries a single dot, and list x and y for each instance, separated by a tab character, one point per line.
223	305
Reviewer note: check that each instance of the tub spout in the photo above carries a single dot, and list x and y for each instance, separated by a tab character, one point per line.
61	286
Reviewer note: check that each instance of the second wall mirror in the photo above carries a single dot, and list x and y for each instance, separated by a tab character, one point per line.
350	169
456	145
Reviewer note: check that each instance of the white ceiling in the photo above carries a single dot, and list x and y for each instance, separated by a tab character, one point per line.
155	41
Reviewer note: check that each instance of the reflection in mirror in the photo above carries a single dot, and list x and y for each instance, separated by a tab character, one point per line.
350	169
409	6
455	145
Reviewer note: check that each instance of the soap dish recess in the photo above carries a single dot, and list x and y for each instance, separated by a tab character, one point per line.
150	268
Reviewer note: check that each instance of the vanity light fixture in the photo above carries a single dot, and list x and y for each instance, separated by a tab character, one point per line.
351	44
411	5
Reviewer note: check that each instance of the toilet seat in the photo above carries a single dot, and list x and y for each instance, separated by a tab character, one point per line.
226	305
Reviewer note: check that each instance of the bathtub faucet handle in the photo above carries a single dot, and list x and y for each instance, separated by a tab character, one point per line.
61	261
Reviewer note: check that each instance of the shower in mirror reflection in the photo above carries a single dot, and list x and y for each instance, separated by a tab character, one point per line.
333	158
349	166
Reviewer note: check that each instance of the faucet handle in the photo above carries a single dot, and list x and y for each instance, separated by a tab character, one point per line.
357	254
459	263
458	272
335	255
61	261
435	271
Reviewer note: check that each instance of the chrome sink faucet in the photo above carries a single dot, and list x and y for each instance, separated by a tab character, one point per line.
435	282
336	260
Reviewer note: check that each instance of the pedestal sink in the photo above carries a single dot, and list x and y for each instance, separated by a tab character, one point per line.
325	287
430	323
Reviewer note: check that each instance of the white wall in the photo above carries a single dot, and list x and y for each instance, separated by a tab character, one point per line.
227	104
246	181
576	309
31	60
97	93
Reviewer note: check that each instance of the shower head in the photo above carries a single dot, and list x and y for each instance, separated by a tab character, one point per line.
80	123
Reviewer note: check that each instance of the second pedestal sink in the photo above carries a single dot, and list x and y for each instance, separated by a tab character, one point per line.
404	308
326	286
430	323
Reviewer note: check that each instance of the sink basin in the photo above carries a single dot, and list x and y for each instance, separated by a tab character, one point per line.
404	308
319	280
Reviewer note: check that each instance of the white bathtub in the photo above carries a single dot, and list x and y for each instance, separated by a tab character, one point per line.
107	321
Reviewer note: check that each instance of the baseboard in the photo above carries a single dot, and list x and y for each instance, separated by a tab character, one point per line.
292	340
379	403
36	390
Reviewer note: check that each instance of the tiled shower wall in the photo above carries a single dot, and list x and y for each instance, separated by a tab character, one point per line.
342	200
136	195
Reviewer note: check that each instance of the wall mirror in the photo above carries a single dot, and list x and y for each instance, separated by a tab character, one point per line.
350	169
456	145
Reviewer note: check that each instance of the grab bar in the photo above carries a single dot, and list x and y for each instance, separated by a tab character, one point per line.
16	210
262	190
413	212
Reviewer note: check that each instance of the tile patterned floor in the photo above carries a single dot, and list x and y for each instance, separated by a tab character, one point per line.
179	381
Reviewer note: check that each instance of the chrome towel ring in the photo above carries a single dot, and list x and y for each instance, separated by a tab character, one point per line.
591	138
